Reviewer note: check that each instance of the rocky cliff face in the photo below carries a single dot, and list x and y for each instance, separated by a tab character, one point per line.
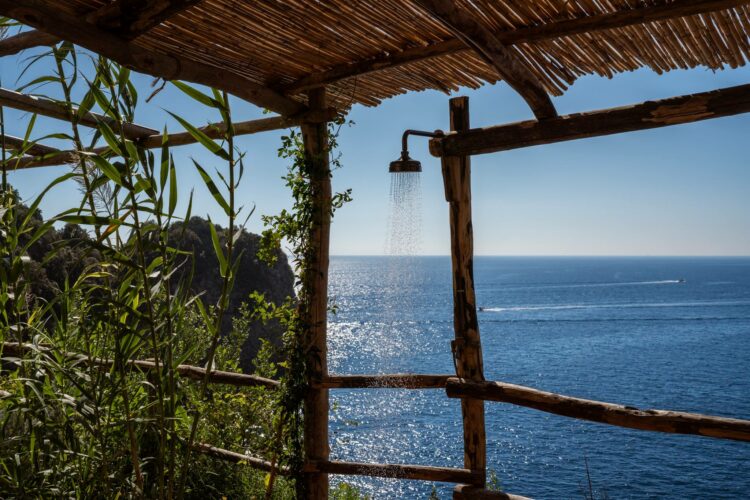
253	275
62	254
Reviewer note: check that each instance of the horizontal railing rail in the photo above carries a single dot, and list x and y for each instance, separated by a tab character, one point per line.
386	381
601	412
187	371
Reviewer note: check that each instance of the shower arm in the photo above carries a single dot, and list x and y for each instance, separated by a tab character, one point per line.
421	133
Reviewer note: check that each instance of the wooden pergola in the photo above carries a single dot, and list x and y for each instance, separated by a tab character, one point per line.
310	60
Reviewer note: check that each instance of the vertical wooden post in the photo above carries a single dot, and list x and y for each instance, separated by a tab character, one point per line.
315	139
467	349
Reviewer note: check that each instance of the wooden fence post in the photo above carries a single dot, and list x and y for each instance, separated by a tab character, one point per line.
467	349
315	138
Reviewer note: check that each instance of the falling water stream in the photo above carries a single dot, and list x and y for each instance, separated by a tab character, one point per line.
385	425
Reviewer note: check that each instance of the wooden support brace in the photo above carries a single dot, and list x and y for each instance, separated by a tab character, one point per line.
314	306
605	413
651	114
467	349
497	55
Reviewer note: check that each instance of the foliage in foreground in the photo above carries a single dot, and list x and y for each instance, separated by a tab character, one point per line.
89	425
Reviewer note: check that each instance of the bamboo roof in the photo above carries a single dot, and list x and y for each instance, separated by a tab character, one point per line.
367	51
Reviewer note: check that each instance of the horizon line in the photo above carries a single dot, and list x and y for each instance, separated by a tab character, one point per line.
675	256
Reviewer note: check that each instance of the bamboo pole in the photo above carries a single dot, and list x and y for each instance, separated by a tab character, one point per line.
651	114
315	310
396	471
188	371
391	381
605	413
467	349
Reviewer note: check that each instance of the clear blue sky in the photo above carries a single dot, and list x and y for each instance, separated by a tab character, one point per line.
681	190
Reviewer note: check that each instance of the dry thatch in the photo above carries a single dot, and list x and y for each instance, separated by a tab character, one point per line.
278	42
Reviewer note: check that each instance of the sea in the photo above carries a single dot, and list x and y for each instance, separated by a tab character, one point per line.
663	333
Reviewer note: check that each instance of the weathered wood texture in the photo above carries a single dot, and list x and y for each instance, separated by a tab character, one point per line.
54	157
468	492
231	456
53	109
42	14
19	144
397	471
467	348
392	381
597	411
315	311
506	62
131	18
641	14
14	349
26	40
652	114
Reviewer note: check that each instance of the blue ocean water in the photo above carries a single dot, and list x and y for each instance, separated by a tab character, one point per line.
668	333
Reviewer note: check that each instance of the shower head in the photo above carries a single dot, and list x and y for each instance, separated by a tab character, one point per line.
405	164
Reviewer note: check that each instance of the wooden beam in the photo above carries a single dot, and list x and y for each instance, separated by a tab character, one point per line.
597	411
188	371
43	15
507	64
53	109
30	148
392	381
395	471
314	298
130	19
239	458
214	131
467	347
652	114
26	40
549	31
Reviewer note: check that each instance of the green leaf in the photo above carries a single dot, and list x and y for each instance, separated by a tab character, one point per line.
213	189
202	138
217	249
198	95
172	187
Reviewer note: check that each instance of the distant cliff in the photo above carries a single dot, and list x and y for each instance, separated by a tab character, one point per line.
276	282
62	254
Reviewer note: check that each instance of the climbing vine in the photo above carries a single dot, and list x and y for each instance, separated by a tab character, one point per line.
295	227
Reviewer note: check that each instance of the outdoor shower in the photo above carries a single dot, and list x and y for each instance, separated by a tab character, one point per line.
406	163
